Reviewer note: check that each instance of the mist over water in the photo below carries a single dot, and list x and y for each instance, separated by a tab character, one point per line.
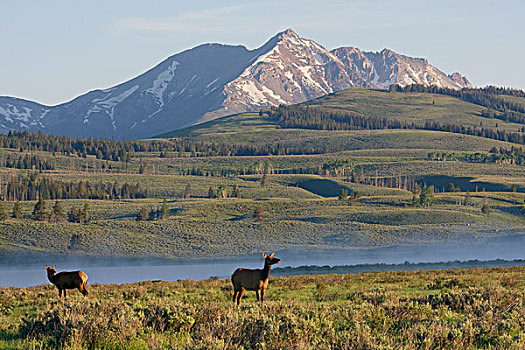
29	271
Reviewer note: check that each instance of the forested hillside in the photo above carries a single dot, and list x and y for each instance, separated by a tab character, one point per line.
359	168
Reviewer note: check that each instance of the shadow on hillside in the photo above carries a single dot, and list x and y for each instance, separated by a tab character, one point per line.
173	211
323	187
441	182
238	218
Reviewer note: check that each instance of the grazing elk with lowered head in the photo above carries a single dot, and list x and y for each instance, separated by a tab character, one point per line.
257	280
67	280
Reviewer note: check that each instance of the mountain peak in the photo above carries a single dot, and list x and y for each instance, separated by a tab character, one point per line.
460	79
214	80
289	31
288	34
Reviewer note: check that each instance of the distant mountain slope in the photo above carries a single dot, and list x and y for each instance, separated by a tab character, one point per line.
214	80
417	108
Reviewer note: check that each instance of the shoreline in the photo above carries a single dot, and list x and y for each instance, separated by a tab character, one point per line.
352	269
407	266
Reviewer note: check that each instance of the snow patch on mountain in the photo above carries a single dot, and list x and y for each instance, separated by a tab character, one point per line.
252	92
311	81
38	120
187	84
107	105
12	111
271	57
214	80
161	83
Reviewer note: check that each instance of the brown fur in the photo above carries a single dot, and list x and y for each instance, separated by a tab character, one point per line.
248	279
68	280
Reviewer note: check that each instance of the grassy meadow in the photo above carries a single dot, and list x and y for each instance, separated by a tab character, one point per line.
363	190
299	197
300	210
447	309
297	219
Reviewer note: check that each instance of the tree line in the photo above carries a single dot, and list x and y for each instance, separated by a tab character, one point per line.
489	96
56	213
308	117
33	186
27	161
305	117
123	151
501	155
508	116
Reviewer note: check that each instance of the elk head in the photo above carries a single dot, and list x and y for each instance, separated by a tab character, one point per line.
270	260
51	270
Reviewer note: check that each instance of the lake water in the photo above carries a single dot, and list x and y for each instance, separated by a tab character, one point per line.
24	272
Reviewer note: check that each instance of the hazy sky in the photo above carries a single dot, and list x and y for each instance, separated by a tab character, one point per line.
54	50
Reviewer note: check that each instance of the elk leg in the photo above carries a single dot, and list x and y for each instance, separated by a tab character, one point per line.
59	293
241	293
82	289
262	295
65	294
257	293
235	292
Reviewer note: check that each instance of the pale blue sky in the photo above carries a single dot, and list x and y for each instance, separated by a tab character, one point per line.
54	50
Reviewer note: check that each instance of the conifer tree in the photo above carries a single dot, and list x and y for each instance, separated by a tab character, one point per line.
187	191
3	211
142	168
85	214
354	198
427	196
415	201
264	180
222	191
164	212
17	210
153	214
259	214
468	198
39	211
485	208
211	193
416	189
143	214
75	215
58	212
235	192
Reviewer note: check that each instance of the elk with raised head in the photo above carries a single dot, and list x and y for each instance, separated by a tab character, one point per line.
67	280
248	279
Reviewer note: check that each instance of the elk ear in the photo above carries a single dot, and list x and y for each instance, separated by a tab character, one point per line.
271	256
54	267
264	255
46	267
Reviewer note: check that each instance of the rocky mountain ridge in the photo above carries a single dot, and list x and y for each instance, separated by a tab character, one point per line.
214	80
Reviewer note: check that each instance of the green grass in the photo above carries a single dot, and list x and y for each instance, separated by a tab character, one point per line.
411	107
302	211
448	309
202	227
248	122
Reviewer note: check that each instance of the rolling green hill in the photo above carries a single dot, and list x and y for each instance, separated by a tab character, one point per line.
408	107
294	175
